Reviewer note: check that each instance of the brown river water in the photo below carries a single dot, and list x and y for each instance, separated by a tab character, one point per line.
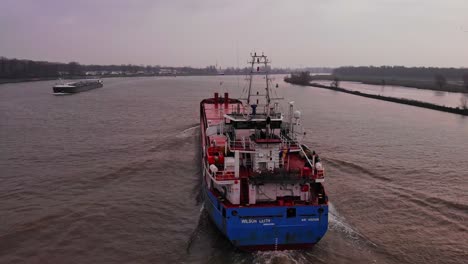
434	97
112	175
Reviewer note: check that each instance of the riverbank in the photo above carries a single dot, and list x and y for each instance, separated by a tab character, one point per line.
455	110
80	77
21	80
5	81
425	84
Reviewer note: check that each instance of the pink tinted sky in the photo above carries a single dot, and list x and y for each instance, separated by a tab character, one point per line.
198	33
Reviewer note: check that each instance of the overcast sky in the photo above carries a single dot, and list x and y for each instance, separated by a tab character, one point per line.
293	33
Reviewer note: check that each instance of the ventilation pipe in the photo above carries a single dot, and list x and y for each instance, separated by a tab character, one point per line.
226	100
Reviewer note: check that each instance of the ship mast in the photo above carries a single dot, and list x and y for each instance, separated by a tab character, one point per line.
258	60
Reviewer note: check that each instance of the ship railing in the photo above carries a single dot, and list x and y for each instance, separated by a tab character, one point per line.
311	162
278	175
242	144
283	175
288	144
225	175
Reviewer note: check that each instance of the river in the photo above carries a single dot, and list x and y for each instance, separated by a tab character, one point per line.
435	97
112	175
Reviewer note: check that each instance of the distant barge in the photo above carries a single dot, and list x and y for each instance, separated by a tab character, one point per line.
76	87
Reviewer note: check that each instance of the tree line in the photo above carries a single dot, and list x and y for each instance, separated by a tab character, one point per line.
18	68
29	69
444	79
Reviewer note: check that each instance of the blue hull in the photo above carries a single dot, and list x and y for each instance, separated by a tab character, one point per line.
269	228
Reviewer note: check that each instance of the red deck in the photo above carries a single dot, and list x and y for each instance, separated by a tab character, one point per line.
214	114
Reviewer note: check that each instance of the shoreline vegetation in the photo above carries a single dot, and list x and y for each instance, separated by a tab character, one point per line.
305	79
19	70
428	78
424	84
81	77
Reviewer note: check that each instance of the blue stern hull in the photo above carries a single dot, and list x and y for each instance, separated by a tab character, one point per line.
269	228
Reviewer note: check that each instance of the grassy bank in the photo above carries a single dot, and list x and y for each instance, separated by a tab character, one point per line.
427	84
456	110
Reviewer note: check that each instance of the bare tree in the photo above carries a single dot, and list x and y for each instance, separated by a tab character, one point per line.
303	78
440	80
336	82
464	102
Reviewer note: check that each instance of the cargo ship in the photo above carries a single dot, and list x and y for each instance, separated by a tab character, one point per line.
76	87
263	187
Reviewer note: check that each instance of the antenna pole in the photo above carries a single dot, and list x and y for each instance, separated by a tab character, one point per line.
267	80
251	76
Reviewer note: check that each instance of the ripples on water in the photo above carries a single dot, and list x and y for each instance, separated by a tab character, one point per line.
112	176
435	97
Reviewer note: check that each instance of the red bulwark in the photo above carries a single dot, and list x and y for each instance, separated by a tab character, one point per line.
215	113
